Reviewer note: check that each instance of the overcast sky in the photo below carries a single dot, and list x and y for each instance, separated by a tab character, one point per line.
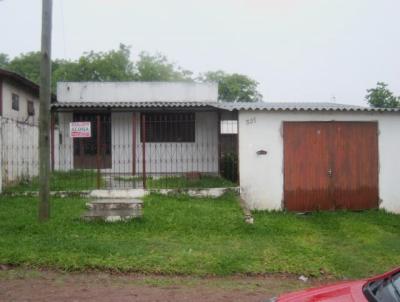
298	50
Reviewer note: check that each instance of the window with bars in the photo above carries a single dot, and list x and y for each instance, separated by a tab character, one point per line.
169	127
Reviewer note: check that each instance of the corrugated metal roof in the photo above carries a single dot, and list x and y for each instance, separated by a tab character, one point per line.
294	106
133	104
264	106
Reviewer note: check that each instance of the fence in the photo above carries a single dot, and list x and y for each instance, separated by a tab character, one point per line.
18	151
126	150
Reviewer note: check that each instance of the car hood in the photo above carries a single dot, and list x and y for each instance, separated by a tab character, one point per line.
343	292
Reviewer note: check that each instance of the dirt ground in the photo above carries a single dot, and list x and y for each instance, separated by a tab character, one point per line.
33	285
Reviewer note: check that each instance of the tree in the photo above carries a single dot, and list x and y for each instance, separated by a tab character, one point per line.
158	68
4	60
114	65
27	65
233	87
382	97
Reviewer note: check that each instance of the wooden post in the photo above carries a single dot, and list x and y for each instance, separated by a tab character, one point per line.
134	143
44	116
143	128
98	152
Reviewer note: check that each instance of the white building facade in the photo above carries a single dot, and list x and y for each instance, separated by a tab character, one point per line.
263	150
181	136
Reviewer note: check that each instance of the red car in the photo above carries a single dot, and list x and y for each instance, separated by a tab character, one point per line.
382	288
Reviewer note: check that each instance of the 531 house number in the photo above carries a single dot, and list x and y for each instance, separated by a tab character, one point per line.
251	121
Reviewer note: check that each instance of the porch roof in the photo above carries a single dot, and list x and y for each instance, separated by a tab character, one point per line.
228	106
135	105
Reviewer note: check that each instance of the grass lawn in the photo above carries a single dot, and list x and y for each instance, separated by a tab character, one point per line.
74	180
183	235
183	182
180	182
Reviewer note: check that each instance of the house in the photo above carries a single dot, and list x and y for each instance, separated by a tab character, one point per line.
151	128
19	97
19	115
292	156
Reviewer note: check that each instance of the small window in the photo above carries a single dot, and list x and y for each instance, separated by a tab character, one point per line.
229	127
15	102
31	108
169	127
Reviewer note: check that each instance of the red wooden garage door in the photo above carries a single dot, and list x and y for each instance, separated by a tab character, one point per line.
330	165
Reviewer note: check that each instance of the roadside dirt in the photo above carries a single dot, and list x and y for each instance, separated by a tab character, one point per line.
30	285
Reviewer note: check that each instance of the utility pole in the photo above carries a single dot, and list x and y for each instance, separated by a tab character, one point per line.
44	114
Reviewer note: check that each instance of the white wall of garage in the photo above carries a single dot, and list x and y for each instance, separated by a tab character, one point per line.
261	176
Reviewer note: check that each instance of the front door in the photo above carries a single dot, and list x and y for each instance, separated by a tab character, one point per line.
93	152
330	165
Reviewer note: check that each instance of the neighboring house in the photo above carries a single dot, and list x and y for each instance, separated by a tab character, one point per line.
293	156
19	97
19	116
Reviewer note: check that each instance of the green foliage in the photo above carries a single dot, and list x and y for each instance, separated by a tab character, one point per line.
229	166
158	68
199	236
382	97
27	65
116	65
4	60
233	87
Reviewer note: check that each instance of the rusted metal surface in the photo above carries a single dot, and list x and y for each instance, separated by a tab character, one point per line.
330	165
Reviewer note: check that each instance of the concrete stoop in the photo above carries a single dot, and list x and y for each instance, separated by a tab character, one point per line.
114	209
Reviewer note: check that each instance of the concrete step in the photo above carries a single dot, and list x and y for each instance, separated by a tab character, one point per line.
114	203
113	215
114	209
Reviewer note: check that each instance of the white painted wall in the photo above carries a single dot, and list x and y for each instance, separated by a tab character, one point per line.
200	156
136	92
22	115
261	176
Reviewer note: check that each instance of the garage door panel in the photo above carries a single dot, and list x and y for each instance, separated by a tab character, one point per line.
307	186
330	165
355	174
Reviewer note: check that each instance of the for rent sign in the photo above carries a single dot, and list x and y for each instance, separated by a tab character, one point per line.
80	129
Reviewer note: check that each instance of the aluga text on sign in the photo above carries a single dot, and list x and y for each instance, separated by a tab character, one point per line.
80	129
